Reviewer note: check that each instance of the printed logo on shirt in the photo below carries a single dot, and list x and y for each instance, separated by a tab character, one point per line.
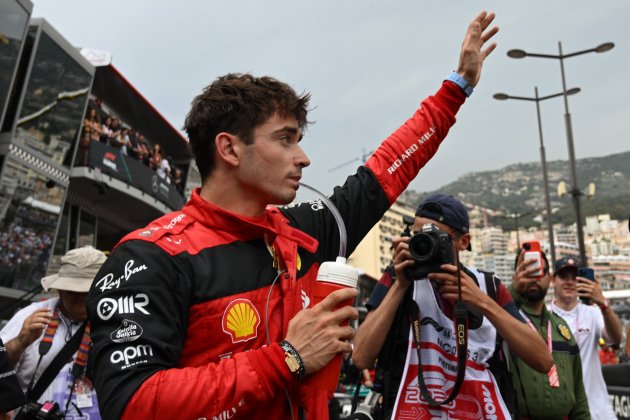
128	331
109	282
407	154
107	307
175	220
149	232
225	415
241	320
128	355
306	301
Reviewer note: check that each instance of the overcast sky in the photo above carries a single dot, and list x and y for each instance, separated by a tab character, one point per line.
369	63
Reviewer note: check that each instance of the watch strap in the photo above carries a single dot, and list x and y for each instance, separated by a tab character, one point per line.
293	359
466	87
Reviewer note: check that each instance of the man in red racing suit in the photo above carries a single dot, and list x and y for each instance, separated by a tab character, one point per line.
187	313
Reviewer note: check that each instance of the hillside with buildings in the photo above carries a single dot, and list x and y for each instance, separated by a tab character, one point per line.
518	189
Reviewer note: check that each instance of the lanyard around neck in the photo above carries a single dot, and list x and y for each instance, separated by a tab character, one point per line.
461	336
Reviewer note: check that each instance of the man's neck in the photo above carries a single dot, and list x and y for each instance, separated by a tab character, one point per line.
228	196
535	307
566	304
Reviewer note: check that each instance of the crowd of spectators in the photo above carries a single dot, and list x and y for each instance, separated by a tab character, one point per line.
99	126
22	246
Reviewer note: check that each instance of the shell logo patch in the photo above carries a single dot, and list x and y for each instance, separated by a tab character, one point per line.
564	332
241	320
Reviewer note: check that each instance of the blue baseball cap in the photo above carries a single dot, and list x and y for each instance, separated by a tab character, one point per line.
445	209
566	263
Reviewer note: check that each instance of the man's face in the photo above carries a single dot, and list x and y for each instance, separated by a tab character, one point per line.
460	240
74	304
566	284
537	290
271	167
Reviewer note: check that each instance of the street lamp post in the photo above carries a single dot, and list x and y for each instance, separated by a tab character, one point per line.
543	159
576	193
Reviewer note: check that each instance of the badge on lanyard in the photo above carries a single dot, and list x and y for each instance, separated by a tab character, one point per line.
83	391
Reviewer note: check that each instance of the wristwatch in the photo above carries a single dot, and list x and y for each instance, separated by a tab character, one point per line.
461	82
292	359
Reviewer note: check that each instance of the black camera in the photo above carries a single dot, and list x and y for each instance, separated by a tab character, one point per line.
430	248
47	411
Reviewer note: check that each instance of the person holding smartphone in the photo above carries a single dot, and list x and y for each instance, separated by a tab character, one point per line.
588	322
558	393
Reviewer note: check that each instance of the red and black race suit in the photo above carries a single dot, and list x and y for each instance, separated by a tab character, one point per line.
186	317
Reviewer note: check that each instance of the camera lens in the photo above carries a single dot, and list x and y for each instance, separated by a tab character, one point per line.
422	247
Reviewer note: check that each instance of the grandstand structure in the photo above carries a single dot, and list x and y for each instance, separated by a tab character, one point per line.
50	200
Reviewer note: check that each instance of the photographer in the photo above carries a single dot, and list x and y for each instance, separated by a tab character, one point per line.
435	297
48	342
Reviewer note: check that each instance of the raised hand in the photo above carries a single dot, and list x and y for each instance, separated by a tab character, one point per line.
34	326
473	53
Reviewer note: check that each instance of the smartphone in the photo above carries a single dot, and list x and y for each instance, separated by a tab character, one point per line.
587	273
533	252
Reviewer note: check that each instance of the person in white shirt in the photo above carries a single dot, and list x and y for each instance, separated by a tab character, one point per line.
588	323
37	333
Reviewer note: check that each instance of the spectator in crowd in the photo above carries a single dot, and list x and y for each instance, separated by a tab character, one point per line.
234	267
121	141
97	104
587	323
115	134
132	149
144	154
35	335
558	393
91	132
106	131
607	354
178	179
430	304
164	170
155	159
156	156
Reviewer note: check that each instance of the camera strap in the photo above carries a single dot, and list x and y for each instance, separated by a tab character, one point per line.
56	365
461	335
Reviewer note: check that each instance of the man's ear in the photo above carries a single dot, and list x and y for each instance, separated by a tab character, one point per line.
227	146
464	241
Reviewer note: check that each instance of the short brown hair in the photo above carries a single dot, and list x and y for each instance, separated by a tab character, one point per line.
238	103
